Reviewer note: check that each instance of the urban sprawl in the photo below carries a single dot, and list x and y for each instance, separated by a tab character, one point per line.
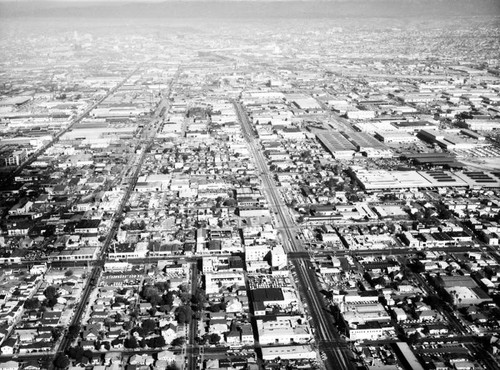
310	197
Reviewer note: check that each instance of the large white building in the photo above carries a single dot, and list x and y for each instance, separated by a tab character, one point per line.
279	258
360	114
363	313
256	252
383	179
395	137
215	280
373	330
482	124
283	330
288	352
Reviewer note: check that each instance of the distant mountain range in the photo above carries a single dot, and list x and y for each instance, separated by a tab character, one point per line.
250	9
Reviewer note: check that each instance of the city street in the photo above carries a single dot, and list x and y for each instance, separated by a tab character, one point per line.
92	281
327	337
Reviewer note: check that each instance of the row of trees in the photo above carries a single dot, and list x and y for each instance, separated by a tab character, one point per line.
158	296
79	354
213	338
50	301
134	225
154	342
184	314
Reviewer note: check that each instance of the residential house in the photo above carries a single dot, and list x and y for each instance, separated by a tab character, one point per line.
8	346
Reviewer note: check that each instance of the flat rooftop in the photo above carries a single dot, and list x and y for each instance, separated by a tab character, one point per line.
335	141
385	179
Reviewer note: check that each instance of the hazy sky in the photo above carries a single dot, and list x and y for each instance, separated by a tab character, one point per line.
65	1
244	8
162	1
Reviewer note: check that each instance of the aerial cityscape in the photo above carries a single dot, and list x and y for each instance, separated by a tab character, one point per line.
273	188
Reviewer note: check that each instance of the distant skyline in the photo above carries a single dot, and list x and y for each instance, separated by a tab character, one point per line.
144	1
163	1
245	9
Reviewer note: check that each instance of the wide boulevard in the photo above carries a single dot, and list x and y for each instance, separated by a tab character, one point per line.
327	336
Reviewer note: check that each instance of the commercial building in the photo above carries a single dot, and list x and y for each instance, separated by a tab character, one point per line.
481	124
384	179
372	330
288	353
215	280
395	137
283	330
337	144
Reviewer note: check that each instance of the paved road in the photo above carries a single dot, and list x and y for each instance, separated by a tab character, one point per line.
291	255
377	252
327	337
194	352
148	135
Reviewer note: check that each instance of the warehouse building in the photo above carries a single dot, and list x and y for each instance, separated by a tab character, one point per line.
337	144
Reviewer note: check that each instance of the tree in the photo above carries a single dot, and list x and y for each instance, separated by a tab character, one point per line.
32	304
168	298
134	314
202	340
181	317
56	333
445	214
61	361
121	291
127	325
156	342
51	302
68	273
199	299
413	338
184	314
163	308
50	292
305	154
76	353
73	332
178	342
214	338
120	299
131	342
215	308
155	300
417	267
87	354
229	202
151	294
149	325
45	362
434	301
162	286
140	331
